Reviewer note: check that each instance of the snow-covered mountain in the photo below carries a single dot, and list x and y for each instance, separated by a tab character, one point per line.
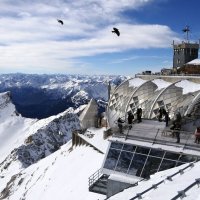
41	96
62	175
24	142
39	162
12	125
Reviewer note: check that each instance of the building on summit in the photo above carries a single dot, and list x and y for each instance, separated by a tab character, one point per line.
133	155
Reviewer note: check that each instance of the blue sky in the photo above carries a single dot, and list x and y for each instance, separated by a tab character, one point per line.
32	41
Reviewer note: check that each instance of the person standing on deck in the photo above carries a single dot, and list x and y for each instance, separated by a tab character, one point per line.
166	118
130	119
139	115
120	124
197	135
160	114
177	129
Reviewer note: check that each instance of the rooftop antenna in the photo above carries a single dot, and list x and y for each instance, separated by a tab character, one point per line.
187	30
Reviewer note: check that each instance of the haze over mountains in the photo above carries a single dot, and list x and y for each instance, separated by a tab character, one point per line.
40	96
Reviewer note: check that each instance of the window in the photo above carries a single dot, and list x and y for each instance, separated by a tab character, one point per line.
167	164
172	156
151	166
137	164
111	159
157	153
187	158
116	145
142	161
142	150
128	147
124	161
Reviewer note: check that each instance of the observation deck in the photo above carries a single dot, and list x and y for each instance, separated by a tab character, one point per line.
153	132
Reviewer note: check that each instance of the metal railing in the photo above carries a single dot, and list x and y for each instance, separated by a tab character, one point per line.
154	186
159	136
181	194
94	177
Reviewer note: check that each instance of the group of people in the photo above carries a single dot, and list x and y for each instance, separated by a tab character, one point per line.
176	123
130	119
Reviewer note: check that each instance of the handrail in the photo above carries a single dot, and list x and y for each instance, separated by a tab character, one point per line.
94	177
154	186
181	193
160	136
156	136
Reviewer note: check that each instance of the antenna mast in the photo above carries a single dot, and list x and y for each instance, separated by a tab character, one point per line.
187	30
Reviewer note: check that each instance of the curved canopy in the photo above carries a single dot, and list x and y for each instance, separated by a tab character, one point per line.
181	96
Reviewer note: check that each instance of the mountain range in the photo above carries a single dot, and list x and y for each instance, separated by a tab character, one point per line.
38	160
41	96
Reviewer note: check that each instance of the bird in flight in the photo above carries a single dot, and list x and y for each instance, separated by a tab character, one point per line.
115	30
60	21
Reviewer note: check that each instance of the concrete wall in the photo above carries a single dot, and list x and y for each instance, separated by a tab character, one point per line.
88	117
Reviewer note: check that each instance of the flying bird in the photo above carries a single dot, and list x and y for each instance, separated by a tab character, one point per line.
115	30
60	21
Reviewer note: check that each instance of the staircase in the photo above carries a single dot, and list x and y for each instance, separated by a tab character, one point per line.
98	183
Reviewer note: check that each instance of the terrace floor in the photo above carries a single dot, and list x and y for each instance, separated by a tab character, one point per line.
157	133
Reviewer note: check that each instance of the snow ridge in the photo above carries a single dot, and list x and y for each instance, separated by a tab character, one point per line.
6	106
44	141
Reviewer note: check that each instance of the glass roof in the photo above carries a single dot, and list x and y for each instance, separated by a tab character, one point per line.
142	161
150	96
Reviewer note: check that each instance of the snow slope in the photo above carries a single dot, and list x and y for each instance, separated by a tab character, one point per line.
24	142
12	125
62	175
169	188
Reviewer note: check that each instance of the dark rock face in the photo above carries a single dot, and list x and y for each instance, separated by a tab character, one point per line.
44	141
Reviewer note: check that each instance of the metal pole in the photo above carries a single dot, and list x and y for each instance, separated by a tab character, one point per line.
156	136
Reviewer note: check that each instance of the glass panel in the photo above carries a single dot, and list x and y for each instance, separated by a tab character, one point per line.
156	111
128	147
187	158
167	164
111	159
160	103
135	98
179	163
172	156
151	166
157	152
124	161
116	145
137	164
142	150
